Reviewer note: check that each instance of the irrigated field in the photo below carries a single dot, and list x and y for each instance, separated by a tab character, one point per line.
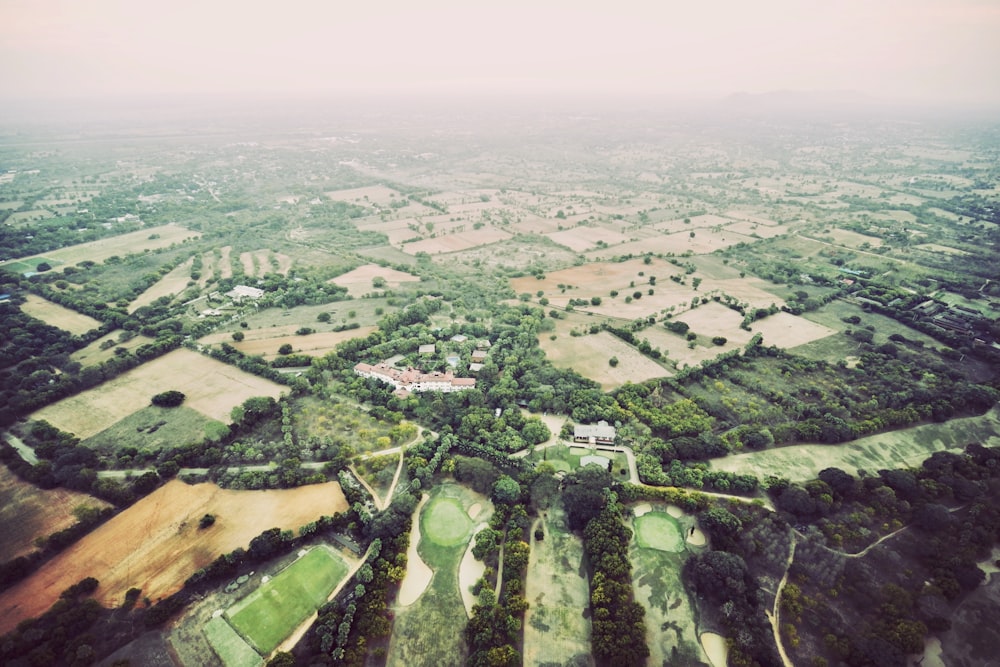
211	387
270	613
28	513
156	544
58	316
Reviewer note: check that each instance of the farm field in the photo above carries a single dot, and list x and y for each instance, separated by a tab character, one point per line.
456	242
787	331
58	316
152	428
314	344
211	387
169	285
894	449
277	607
589	355
93	354
98	251
658	553
428	631
556	624
580	239
28	512
359	281
156	544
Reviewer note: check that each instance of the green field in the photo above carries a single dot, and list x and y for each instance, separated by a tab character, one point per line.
29	266
659	530
229	646
273	611
445	522
567	459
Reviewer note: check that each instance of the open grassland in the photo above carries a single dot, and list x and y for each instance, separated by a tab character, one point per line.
211	387
98	251
786	330
359	281
314	344
28	513
93	354
428	631
151	429
658	554
169	285
589	355
232	650
557	624
156	544
894	449
58	316
269	614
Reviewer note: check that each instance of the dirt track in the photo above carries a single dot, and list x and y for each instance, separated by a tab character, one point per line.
156	544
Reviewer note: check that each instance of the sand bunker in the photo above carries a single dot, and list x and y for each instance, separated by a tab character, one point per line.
696	537
470	571
418	574
474	510
675	511
715	648
644	508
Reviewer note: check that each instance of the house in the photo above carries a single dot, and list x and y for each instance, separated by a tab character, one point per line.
475	368
427	349
478	356
414	380
241	292
600	433
459	338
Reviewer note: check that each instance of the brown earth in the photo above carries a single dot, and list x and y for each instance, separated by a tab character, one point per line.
58	316
156	544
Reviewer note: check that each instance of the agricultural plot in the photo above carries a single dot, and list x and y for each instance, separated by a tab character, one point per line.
156	544
27	513
58	316
589	355
344	423
93	354
169	285
787	331
98	251
371	194
757	230
456	242
580	239
658	553
211	387
894	449
313	345
273	611
557	622
152	428
428	631
359	281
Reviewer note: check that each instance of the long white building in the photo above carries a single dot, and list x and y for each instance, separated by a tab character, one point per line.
412	379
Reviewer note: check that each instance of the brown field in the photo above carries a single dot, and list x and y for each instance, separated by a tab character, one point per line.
98	251
27	512
697	222
93	354
750	216
207	268
359	281
314	345
715	319
225	262
10	205
373	194
212	388
156	544
456	242
589	354
580	239
851	239
754	229
58	316
249	265
787	330
170	285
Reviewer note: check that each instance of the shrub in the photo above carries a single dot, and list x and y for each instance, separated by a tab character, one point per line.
168	399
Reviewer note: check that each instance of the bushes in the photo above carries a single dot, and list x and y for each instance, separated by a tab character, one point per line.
168	399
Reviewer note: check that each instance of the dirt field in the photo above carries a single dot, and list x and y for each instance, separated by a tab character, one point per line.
156	544
754	229
359	281
374	194
456	242
212	388
27	512
169	285
787	330
225	266
98	251
58	316
314	345
580	239
589	354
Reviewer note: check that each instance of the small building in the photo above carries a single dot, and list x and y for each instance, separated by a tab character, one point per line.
241	292
484	344
459	338
475	368
479	356
427	349
600	433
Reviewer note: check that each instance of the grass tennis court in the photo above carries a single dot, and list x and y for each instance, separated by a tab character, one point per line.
445	522
273	611
229	646
659	530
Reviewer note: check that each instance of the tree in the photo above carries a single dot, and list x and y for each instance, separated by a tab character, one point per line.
613	361
43	267
506	490
285	349
323	317
238	336
168	399
719	340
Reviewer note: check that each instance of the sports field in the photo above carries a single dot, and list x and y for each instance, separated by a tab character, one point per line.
273	611
229	646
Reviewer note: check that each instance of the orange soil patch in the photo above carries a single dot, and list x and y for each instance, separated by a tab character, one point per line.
169	285
456	242
98	251
211	387
27	512
156	544
580	239
93	354
225	262
58	316
359	281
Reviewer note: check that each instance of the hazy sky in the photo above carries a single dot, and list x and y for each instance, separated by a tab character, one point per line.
914	49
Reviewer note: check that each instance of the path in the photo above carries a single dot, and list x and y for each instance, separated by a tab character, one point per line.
774	616
25	451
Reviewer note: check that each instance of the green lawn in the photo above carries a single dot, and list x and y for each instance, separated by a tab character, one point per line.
269	614
659	530
445	522
229	646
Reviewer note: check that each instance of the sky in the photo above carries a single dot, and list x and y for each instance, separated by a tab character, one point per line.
945	51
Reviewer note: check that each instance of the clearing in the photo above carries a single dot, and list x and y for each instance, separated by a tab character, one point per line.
156	544
169	285
588	355
359	281
58	316
211	387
